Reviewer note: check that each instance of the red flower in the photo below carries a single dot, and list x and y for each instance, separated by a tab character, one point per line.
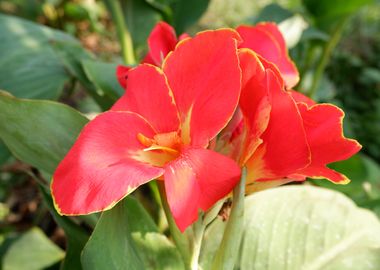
159	130
281	135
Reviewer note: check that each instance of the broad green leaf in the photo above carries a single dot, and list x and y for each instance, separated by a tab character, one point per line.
32	251
29	67
72	56
103	76
186	13
327	13
139	219
76	236
305	227
126	238
38	132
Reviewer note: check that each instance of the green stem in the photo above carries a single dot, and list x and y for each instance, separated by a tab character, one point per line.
198	229
155	192
328	49
122	30
180	239
227	254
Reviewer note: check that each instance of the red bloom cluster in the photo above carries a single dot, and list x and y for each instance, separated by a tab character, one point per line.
232	83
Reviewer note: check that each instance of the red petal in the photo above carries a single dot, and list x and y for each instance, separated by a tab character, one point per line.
161	41
284	149
298	97
103	165
323	125
197	180
204	75
267	40
149	95
122	75
254	100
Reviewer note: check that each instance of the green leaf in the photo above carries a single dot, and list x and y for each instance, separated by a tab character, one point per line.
32	251
29	67
126	238
305	227
38	132
139	219
186	13
76	236
72	56
103	76
327	13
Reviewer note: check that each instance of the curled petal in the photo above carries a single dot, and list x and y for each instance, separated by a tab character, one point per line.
204	75
254	101
266	40
161	41
284	149
323	126
103	165
148	94
197	180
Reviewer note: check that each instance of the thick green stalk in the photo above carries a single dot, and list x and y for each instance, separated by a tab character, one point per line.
123	32
180	239
226	256
327	50
198	231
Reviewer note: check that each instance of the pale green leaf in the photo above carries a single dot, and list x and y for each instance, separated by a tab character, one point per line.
32	251
304	227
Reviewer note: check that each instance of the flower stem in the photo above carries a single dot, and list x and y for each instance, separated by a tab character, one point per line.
198	230
122	30
327	50
227	254
180	239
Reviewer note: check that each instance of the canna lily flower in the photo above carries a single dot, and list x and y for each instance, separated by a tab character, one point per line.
160	129
282	136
